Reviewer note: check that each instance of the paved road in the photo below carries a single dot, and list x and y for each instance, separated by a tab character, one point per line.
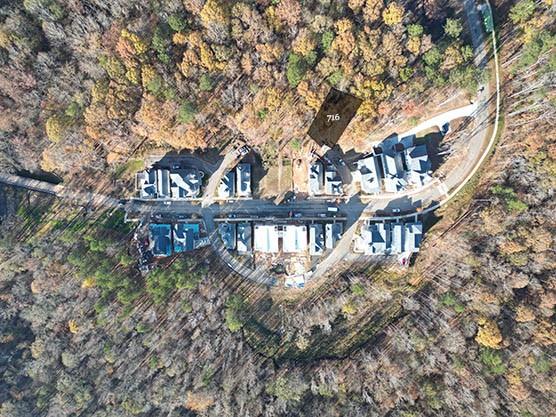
428	198
214	181
59	190
441	119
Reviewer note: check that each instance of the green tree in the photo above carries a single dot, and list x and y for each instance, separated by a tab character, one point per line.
432	57
161	43
510	198
176	23
453	28
493	361
234	313
335	77
187	112
326	40
522	11
287	389
206	83
56	127
296	69
415	30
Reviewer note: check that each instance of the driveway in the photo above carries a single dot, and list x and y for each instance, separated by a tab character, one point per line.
433	194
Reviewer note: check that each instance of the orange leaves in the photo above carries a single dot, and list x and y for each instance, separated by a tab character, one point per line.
270	52
157	121
198	402
214	12
488	334
344	41
393	14
73	327
288	11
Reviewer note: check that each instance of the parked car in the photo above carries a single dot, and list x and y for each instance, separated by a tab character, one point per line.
232	215
332	209
445	129
167	203
122	202
244	150
297	215
176	166
342	162
322	214
396	210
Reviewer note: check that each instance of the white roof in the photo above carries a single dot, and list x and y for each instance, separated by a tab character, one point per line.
397	235
163	182
244	237
369	174
332	181
393	184
413	236
390	166
227	185
294	239
294	281
146	183
315	178
185	183
243	172
385	239
333	234
266	238
316	239
375	239
418	164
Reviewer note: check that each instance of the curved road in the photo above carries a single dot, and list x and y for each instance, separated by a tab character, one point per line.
412	202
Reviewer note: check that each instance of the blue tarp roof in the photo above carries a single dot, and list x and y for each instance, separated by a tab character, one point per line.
160	236
185	235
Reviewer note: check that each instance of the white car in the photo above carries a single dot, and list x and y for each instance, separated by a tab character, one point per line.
244	150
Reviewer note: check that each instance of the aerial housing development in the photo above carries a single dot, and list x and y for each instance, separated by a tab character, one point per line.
182	183
277	208
393	166
302	231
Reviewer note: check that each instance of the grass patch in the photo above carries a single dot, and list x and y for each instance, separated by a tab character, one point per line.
129	168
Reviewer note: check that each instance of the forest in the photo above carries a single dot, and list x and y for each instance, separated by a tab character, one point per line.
87	85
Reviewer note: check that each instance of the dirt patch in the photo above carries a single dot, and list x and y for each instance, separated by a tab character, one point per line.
278	179
300	172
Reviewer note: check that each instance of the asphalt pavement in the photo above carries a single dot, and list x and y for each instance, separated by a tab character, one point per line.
355	208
